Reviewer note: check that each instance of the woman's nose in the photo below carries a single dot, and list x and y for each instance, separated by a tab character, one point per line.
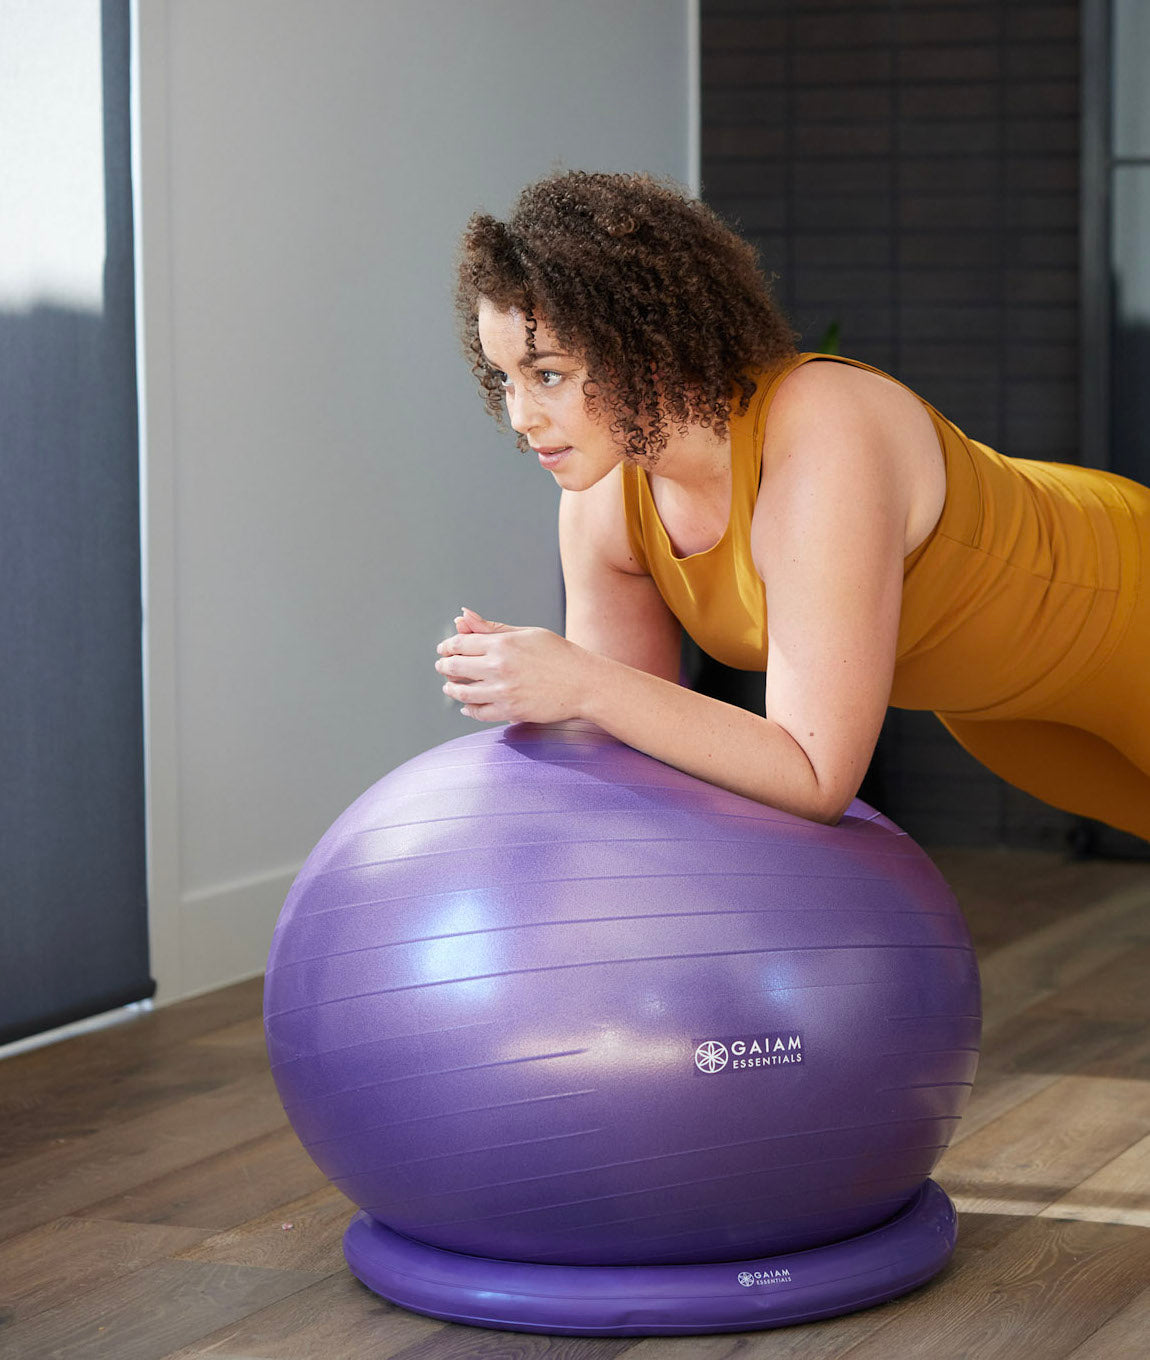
519	411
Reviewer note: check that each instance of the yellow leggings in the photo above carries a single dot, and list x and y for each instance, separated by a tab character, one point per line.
1089	753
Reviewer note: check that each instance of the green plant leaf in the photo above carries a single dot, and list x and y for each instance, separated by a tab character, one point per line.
830	341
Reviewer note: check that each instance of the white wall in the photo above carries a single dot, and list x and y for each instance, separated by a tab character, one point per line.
322	486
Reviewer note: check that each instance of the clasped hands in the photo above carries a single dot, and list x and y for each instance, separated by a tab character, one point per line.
502	673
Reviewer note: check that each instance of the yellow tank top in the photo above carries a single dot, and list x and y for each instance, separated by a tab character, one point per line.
1019	593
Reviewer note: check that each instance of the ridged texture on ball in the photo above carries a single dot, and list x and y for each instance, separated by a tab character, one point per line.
513	998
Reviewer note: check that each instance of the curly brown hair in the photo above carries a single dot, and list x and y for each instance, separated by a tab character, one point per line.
663	302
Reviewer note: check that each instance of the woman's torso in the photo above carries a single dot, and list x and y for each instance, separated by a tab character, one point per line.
998	551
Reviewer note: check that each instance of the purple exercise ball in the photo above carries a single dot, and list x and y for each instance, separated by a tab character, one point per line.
539	998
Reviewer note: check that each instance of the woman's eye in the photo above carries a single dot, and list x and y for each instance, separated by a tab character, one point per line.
503	380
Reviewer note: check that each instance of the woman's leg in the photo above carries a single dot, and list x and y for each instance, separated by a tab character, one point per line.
1065	766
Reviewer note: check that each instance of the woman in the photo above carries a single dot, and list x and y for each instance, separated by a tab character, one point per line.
795	512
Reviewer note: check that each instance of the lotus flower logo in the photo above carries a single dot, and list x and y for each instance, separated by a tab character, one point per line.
711	1056
746	1279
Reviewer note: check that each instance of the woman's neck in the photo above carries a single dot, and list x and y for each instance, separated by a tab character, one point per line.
694	461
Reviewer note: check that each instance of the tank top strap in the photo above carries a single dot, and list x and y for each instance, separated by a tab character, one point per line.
629	473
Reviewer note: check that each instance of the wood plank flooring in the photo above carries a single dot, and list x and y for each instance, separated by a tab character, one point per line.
155	1204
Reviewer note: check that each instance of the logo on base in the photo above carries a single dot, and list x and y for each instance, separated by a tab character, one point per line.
773	1276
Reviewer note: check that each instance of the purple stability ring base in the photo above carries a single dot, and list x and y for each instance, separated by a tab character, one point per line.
637	1300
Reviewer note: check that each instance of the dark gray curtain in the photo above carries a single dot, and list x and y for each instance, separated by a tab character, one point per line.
73	906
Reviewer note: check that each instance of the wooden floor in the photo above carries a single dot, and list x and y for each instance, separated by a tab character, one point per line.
155	1203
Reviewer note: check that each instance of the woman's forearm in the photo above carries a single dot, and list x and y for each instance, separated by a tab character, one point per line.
713	740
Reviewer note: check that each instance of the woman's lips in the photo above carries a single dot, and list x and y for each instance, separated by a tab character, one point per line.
551	459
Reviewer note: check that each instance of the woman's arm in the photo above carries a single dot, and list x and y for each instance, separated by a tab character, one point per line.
613	607
713	740
503	673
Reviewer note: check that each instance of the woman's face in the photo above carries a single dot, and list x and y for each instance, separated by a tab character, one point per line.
545	400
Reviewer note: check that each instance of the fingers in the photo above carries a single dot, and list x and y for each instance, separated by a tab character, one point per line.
463	662
473	692
476	623
465	668
464	644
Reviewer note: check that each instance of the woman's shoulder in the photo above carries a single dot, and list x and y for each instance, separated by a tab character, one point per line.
847	401
819	380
